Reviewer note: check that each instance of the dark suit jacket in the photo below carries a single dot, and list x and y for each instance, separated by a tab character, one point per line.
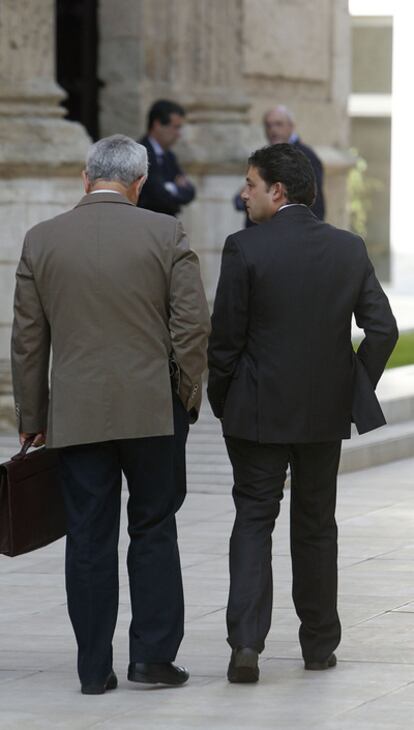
282	366
319	205
154	195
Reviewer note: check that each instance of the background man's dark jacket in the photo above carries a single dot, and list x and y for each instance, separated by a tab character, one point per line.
319	205
154	195
282	366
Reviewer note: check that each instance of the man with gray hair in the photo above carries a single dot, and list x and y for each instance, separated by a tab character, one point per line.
115	292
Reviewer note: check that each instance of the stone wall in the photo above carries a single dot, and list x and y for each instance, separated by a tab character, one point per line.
227	61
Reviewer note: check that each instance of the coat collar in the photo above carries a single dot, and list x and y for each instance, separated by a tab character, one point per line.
293	210
150	149
104	198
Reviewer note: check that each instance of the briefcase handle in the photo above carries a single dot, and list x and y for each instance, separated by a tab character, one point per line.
25	448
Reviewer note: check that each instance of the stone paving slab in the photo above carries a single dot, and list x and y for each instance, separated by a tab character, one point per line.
372	686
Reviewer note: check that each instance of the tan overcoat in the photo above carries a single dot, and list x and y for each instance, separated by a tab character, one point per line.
112	291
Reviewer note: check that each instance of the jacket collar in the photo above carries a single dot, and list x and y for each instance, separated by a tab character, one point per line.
293	210
90	199
151	151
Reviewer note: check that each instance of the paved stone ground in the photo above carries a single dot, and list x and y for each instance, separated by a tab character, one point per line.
372	686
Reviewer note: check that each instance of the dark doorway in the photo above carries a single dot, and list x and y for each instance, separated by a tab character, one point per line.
77	60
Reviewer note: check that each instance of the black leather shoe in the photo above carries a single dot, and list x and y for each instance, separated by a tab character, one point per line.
320	666
157	673
243	666
93	688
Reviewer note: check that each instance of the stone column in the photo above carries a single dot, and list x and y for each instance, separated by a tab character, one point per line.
217	142
41	154
188	51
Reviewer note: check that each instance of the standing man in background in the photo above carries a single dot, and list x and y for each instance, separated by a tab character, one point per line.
116	292
167	188
279	127
286	384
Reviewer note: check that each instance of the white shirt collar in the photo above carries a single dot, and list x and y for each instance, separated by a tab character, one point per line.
156	147
290	205
115	192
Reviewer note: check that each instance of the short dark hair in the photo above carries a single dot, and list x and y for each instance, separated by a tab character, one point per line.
161	110
286	164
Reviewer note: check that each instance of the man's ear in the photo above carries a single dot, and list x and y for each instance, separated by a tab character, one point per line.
135	188
141	182
278	192
86	182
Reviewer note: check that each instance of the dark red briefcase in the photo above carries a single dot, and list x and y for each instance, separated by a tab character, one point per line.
32	513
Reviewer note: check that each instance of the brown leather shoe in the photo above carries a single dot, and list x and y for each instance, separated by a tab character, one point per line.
320	666
243	667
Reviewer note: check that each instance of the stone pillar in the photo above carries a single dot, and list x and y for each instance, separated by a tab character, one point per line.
217	140
188	51
41	154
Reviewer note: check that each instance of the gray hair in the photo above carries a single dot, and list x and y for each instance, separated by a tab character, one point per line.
118	159
283	110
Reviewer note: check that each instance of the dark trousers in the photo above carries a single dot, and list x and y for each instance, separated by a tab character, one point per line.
259	476
91	474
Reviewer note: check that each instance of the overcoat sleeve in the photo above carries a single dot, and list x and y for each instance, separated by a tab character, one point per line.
189	322
30	350
373	314
185	193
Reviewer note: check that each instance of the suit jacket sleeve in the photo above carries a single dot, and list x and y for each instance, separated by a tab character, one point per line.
155	196
185	193
319	204
30	350
373	314
189	322
229	324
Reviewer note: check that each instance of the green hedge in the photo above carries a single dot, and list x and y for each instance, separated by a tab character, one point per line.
403	353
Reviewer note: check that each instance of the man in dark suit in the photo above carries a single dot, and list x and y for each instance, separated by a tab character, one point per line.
286	384
116	291
167	188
